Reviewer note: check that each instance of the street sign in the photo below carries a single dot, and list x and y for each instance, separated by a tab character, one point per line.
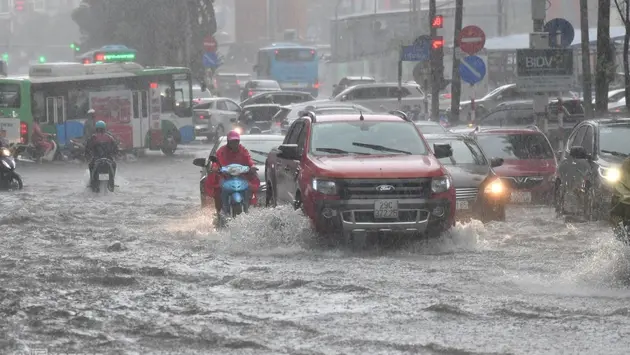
210	60
471	39
544	70
419	51
422	74
472	69
210	44
561	33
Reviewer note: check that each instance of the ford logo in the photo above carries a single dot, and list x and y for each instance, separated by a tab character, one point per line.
383	188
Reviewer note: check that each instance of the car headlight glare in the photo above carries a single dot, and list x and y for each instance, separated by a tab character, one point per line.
495	188
5	152
610	174
326	187
238	130
440	184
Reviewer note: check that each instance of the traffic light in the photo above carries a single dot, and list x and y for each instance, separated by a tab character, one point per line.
42	59
437	22
5	57
75	46
20	5
437	43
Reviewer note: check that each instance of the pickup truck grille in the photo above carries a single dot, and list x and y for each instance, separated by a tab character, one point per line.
523	182
385	188
469	193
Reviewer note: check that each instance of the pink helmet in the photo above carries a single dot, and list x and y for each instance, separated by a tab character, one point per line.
233	136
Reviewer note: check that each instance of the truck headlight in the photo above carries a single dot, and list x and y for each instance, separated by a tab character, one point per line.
495	188
611	175
440	184
326	187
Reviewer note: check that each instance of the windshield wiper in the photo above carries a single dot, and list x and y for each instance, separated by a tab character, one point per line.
338	151
380	148
617	154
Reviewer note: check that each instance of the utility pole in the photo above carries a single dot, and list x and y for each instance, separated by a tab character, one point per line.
437	65
500	11
456	82
540	40
587	77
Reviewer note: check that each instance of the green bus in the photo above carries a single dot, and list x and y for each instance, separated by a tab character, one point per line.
143	107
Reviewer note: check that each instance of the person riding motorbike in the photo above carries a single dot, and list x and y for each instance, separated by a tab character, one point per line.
231	153
88	126
40	139
101	145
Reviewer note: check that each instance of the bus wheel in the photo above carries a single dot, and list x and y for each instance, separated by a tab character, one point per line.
170	145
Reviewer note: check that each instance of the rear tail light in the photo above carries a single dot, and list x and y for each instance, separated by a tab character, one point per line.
251	93
238	82
316	85
23	132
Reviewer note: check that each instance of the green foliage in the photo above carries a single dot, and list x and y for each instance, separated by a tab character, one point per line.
158	29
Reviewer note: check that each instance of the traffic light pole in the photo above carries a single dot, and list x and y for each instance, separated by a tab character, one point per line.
437	66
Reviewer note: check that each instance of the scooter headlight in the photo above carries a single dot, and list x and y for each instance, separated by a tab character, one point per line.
238	130
611	175
495	188
5	152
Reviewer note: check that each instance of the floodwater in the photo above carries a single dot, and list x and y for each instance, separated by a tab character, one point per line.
140	271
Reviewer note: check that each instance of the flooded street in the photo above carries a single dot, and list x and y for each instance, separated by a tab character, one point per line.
532	285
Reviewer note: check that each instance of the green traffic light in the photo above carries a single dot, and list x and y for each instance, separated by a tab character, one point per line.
42	59
5	56
72	46
77	49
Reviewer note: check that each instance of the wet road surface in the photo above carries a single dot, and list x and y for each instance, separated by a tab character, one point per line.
533	285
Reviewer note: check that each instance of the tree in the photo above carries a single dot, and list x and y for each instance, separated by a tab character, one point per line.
605	57
164	32
623	7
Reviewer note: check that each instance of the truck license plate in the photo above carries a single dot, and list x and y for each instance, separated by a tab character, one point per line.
103	177
386	209
521	197
461	205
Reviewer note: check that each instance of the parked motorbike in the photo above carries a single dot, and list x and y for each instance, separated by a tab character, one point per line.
33	152
103	175
9	179
74	150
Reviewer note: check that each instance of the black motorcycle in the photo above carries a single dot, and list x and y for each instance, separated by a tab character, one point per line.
103	175
9	179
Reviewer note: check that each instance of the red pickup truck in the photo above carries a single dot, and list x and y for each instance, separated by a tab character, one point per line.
356	173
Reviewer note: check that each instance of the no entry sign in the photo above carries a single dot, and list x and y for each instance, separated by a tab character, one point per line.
471	39
210	44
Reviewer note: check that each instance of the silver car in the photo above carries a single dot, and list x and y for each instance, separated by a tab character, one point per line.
215	116
383	97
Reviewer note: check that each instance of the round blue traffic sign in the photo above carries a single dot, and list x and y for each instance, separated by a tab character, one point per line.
561	33
472	69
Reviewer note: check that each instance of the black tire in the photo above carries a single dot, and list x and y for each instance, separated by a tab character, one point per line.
559	199
237	209
15	180
270	198
489	215
589	206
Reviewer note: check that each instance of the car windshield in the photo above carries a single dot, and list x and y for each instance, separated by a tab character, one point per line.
518	146
493	92
431	128
366	138
463	152
614	139
258	149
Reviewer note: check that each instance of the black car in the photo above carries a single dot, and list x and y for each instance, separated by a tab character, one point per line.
259	147
278	97
479	192
257	118
230	84
349	81
593	155
254	87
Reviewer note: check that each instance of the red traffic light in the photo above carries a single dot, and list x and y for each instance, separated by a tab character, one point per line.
20	5
437	43
438	21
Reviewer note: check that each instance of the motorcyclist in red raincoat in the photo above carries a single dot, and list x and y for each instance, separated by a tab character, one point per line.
231	153
40	139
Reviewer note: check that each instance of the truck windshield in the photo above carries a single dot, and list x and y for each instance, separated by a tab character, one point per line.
517	146
366	138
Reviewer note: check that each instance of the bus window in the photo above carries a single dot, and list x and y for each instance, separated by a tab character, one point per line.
295	55
50	110
183	98
10	95
38	105
166	94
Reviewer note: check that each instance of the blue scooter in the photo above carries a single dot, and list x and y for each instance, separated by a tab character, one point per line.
237	186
